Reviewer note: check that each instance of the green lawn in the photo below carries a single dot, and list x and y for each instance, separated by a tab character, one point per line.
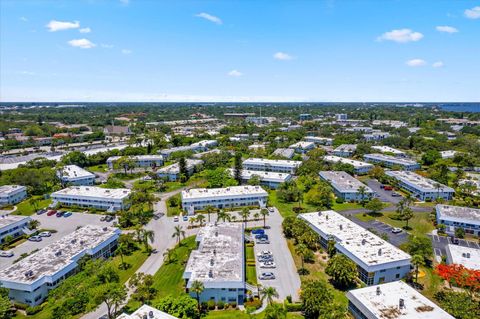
26	209
126	177
102	168
286	209
420	222
251	272
174	211
364	217
171	186
345	206
237	314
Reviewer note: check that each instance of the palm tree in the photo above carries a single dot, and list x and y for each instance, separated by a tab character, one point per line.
33	201
33	224
209	210
201	219
362	190
268	293
122	249
178	232
148	235
197	287
302	250
256	216
245	214
223	215
264	212
417	261
275	311
168	255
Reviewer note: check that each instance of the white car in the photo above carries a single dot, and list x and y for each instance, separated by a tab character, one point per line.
176	219
266	276
264	253
396	230
45	234
268	264
6	253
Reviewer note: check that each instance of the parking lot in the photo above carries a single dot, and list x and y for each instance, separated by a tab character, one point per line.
440	243
383	195
287	280
63	226
382	228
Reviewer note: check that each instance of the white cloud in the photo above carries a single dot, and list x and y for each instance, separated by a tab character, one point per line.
82	43
282	56
126	51
23	19
446	28
125	2
106	45
55	25
416	62
209	17
438	64
401	36
473	13
235	73
85	30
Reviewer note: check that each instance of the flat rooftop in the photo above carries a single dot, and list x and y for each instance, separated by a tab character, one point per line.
264	176
219	257
419	181
92	191
284	152
6	190
364	245
199	193
466	256
138	158
56	256
6	220
391	159
343	182
346	148
387	149
303	145
175	167
384	304
149	312
343	160
74	171
270	162
458	213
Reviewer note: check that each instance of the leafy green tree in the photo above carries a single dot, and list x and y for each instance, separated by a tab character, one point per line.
320	196
268	293
459	232
169	255
209	210
219	177
5	308
122	250
238	168
316	297
126	163
184	307
362	191
197	288
275	311
183	171
302	250
420	245
200	219
254	180
288	192
331	250
459	304
142	285
223	215
113	295
342	270
374	206
75	158
431	157
264	212
417	261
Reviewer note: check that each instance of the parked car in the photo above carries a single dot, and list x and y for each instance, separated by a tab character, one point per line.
6	253
41	211
268	264
35	238
265	258
265	253
60	213
396	230
263	241
395	194
387	187
185	218
265	236
454	240
266	276
45	234
176	219
67	214
102	219
109	218
258	231
271	209
51	212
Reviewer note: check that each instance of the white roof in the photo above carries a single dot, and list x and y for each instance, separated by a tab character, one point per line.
346	148
74	172
385	303
447	154
458	213
138	158
303	145
390	159
343	182
232	191
264	176
6	190
284	152
56	256
219	257
92	191
270	162
318	139
6	220
423	183
466	256
148	311
175	167
343	160
387	149
366	247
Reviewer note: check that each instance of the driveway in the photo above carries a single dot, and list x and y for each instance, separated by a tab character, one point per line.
383	195
62	225
382	228
287	281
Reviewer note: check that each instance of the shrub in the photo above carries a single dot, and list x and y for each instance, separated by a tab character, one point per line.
234	305
289	298
204	305
255	303
33	310
339	200
211	305
20	306
293	307
220	305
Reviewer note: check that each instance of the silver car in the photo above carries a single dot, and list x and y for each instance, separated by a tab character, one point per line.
267	276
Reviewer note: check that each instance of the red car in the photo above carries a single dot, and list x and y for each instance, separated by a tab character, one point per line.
387	188
51	212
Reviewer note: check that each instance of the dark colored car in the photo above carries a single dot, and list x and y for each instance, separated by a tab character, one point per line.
259	236
41	211
51	212
454	240
108	218
60	213
258	231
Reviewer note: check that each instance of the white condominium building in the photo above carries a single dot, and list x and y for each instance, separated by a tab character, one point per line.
466	256
389	150
284	152
201	146
228	197
421	187
75	175
392	161
109	199
218	263
302	146
376	136
30	279
13	225
395	300
146	312
345	186
459	217
447	154
358	166
12	194
269	179
319	140
172	172
140	160
377	260
345	150
263	164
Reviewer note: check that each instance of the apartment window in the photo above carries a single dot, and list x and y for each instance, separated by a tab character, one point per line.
397	276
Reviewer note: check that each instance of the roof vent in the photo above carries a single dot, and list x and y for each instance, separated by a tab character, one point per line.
216	234
73	241
210	273
58	253
211	262
380	252
214	251
468	255
401	303
105	228
378	291
341	226
150	314
364	241
29	274
144	316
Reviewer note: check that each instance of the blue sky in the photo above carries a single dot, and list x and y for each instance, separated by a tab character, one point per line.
248	50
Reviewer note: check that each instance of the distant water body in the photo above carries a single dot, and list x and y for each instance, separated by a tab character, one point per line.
461	107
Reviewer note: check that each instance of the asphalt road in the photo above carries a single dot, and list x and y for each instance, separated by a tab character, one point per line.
383	195
440	243
382	228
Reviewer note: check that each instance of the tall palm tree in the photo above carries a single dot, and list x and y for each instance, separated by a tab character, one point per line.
245	214
276	311
269	293
148	235
256	216
178	232
362	190
197	287
168	255
223	215
122	249
209	210
264	212
302	250
417	261
200	219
